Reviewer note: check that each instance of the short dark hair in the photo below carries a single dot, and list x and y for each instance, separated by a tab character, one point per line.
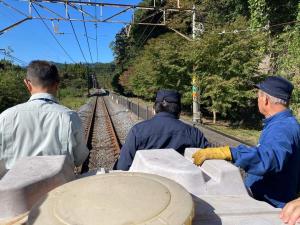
42	73
164	106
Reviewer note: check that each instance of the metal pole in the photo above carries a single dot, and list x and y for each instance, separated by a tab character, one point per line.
138	110
195	89
194	21
196	108
66	10
29	8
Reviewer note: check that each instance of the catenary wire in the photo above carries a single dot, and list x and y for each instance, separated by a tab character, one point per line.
86	35
77	39
53	34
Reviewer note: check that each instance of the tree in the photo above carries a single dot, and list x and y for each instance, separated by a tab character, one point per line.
160	65
288	62
226	68
12	89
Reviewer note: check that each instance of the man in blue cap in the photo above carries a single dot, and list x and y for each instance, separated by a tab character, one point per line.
164	130
273	166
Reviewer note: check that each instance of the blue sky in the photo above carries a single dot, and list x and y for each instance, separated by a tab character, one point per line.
31	39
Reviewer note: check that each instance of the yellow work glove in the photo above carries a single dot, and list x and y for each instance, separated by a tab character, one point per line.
212	153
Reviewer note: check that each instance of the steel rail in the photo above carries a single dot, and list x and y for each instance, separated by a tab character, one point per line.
90	119
114	139
99	118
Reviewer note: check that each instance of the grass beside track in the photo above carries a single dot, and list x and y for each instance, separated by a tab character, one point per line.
73	103
247	135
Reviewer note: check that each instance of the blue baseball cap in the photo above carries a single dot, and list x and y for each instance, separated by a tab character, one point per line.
277	86
170	96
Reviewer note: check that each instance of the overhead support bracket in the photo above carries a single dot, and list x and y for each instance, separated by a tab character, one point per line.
181	34
124	10
13	25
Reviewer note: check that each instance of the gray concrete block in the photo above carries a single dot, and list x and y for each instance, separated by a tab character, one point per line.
189	152
223	178
233	210
169	163
215	177
219	194
220	173
29	179
2	168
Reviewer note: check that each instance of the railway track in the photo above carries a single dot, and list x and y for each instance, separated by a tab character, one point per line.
104	144
100	136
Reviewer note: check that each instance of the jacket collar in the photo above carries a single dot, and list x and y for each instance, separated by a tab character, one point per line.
165	114
278	116
43	96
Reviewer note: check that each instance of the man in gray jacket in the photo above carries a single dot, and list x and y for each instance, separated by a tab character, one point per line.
41	126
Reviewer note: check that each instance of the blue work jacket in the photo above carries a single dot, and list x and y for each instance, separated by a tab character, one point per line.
273	166
164	130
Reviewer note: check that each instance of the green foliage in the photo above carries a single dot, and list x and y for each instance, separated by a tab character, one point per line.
272	12
259	13
12	89
225	66
74	81
223	11
73	85
288	61
160	65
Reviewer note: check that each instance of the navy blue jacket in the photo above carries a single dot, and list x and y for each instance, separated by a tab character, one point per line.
164	130
273	166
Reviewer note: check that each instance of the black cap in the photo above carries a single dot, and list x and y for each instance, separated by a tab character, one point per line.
277	86
170	96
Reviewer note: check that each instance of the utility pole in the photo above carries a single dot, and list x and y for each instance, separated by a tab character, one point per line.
195	89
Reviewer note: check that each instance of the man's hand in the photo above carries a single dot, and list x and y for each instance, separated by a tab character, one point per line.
212	153
290	214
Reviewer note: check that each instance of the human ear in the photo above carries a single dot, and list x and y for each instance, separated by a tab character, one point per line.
28	84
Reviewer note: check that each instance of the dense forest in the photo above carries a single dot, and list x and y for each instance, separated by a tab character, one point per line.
240	42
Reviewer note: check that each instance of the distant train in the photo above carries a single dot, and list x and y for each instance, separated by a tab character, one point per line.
98	92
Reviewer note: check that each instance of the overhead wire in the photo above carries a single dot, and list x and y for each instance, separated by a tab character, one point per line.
141	44
152	15
13	16
141	36
13	8
53	34
13	58
255	29
86	35
77	39
96	28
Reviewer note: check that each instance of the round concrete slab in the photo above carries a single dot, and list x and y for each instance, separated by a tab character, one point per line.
116	199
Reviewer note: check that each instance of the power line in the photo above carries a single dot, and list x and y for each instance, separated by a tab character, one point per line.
53	34
96	28
13	57
77	39
149	34
152	15
255	29
13	8
86	35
